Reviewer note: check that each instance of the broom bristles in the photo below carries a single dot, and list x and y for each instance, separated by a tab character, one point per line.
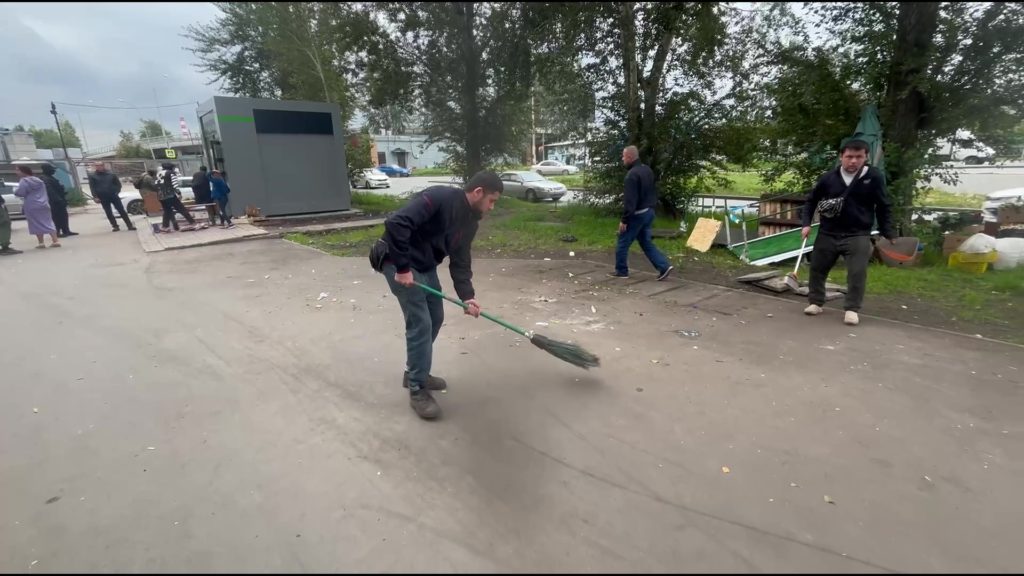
566	351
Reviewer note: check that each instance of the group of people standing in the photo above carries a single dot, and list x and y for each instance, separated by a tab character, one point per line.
45	201
45	208
207	188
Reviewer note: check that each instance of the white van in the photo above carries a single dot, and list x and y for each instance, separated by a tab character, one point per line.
963	147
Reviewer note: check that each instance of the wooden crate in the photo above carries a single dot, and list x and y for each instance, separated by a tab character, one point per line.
779	213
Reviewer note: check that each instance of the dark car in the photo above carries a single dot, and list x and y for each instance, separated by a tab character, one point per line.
393	171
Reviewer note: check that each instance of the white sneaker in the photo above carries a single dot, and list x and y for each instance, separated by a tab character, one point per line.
812	310
851	319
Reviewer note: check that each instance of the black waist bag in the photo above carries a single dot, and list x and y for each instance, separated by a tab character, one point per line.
378	254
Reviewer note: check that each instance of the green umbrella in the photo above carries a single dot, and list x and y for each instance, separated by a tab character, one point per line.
869	129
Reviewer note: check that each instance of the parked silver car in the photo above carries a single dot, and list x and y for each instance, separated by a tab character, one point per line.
15	206
549	167
531	186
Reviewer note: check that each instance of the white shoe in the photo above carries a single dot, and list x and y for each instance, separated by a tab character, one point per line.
851	319
812	310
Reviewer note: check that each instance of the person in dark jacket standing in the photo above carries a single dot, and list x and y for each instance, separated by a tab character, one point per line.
58	197
847	233
105	187
640	199
202	190
441	221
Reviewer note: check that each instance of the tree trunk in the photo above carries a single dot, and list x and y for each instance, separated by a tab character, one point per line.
631	74
906	105
470	89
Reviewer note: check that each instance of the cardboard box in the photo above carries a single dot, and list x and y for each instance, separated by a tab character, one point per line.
953	240
1010	214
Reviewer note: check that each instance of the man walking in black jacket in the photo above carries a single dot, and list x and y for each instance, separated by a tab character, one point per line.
105	187
861	191
58	198
441	221
638	216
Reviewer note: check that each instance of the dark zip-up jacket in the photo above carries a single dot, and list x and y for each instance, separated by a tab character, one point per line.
104	184
640	190
866	201
437	223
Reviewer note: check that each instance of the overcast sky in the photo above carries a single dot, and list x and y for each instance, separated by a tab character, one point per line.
99	52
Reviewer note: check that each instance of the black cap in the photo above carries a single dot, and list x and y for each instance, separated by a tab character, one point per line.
487	180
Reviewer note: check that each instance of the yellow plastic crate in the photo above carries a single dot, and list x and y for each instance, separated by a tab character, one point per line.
974	263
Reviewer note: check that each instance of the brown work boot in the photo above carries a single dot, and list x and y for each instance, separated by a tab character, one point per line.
433	383
424	405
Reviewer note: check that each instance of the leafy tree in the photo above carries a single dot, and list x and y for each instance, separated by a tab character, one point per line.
48	138
128	147
289	50
652	66
358	148
467	66
932	67
152	129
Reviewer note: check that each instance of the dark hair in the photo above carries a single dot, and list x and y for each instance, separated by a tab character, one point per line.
202	168
487	180
25	170
49	169
855	145
167	166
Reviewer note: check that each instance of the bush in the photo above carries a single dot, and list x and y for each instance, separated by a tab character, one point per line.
75	197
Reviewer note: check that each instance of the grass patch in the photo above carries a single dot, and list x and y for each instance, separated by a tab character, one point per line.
941	199
376	203
76	198
572	181
533	230
342	243
433	172
984	297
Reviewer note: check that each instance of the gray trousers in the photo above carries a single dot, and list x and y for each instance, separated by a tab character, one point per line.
856	251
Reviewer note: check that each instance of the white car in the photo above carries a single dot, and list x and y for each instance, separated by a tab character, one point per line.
549	167
15	206
132	198
963	147
371	178
993	200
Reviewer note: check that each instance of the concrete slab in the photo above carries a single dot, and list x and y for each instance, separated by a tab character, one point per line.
241	428
758	276
776	284
153	242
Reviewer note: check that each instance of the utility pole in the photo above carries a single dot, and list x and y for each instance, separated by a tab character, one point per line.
67	158
81	126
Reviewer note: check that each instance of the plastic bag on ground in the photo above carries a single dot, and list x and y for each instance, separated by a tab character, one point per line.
1009	253
978	244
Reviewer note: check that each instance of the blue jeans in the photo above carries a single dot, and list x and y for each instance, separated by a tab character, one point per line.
424	314
638	227
225	216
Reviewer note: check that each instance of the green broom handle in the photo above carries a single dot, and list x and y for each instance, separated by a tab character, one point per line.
494	319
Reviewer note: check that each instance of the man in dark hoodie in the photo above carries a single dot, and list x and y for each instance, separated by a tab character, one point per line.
106	189
847	233
441	221
58	197
640	198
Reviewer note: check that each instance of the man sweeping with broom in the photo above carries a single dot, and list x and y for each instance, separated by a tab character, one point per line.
441	221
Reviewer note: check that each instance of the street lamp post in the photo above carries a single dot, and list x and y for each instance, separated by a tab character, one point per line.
67	157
